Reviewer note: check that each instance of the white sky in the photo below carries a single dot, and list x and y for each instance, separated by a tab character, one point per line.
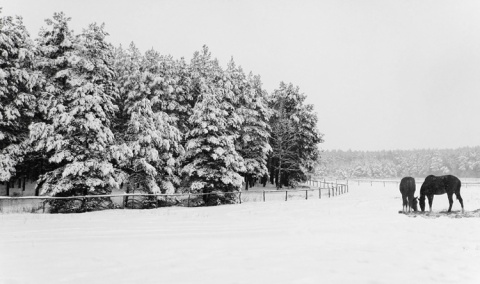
381	74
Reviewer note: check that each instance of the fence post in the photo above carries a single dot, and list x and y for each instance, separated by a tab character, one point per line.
306	194
240	197
43	205
264	196
319	193
84	203
188	202
286	195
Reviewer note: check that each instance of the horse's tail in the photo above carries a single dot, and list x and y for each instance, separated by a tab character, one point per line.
457	189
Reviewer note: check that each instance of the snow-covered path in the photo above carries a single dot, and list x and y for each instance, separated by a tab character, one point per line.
358	237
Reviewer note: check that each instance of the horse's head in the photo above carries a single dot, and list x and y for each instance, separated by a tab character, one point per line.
414	203
422	202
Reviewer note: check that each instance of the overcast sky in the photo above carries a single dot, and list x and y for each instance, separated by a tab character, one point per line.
381	74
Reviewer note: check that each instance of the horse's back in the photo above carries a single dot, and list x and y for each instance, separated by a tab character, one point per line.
440	184
407	186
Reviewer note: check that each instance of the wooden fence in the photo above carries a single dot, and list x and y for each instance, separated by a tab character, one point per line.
41	204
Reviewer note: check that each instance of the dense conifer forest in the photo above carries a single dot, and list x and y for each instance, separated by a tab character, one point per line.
463	162
82	117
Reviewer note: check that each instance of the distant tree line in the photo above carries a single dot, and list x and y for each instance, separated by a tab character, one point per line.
80	116
462	162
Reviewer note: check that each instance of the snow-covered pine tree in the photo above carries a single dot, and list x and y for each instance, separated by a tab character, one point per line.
294	136
212	162
283	158
78	107
18	86
253	142
168	102
305	121
149	142
172	92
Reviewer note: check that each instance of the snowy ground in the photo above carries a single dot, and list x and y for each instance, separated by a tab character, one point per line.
358	237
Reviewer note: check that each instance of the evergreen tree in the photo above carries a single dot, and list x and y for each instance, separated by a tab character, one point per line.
294	138
253	142
149	143
171	90
78	105
212	162
19	84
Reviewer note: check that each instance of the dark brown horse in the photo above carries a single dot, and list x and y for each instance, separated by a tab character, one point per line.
436	185
407	188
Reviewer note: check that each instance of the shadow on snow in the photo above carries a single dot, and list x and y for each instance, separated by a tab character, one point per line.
444	213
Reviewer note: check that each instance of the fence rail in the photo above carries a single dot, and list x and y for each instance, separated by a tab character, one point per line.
43	204
417	181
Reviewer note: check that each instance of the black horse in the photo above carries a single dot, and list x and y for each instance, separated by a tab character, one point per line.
436	185
407	188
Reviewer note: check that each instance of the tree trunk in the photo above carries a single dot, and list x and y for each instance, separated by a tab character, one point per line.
37	188
251	180
272	174
279	179
125	199
264	180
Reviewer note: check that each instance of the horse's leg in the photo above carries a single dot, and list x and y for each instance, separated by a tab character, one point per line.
404	207
459	197
430	201
450	201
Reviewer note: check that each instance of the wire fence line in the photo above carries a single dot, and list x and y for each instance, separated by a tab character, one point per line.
397	182
44	204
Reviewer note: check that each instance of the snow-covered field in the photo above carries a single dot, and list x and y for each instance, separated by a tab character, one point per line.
358	237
